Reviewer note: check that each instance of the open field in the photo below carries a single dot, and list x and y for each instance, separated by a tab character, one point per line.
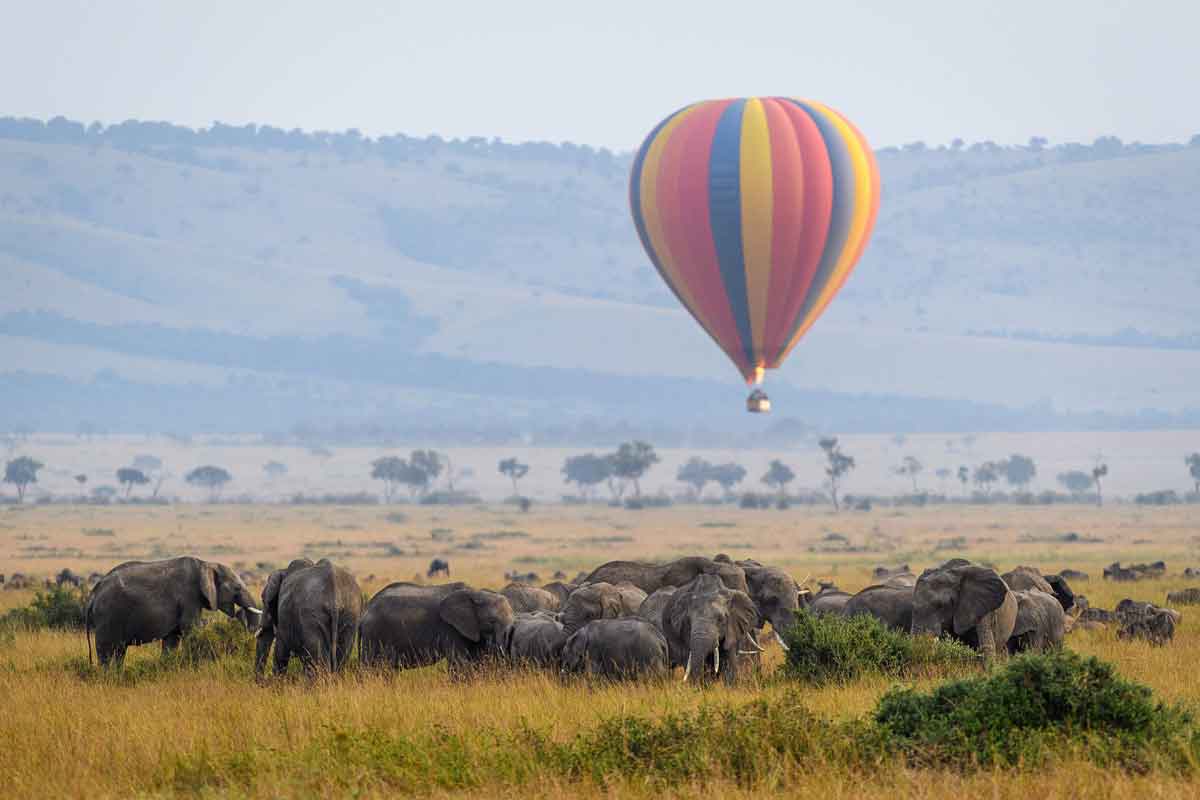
212	731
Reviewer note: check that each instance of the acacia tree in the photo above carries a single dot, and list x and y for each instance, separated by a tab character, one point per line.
586	471
515	470
631	461
838	465
1075	481
1099	471
130	477
910	467
964	476
1193	465
696	473
424	468
985	475
778	476
728	475
1018	470
21	472
391	470
210	477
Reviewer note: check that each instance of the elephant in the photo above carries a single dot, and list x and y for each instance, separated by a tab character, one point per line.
702	622
145	601
1073	575
616	649
561	590
600	601
968	601
776	596
1184	597
890	604
830	600
406	625
882	573
1041	622
529	598
1027	578
652	577
311	611
536	638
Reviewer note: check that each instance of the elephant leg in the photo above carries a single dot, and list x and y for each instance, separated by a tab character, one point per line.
170	642
118	655
345	645
283	654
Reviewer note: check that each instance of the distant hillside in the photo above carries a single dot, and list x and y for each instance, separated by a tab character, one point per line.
1034	286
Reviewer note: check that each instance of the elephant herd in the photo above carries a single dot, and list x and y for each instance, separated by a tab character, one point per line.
623	619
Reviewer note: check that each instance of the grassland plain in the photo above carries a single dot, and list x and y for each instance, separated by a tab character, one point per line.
213	731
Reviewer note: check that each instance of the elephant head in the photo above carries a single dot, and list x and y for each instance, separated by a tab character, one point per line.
223	590
712	622
968	601
776	595
481	617
588	602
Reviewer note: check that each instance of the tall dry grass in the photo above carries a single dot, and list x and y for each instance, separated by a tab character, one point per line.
213	730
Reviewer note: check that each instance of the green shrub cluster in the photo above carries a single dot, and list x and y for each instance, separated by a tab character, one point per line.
1027	710
828	648
221	641
58	608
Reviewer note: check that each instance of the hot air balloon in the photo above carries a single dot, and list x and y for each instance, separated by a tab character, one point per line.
754	211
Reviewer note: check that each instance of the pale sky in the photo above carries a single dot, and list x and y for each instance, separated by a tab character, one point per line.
604	73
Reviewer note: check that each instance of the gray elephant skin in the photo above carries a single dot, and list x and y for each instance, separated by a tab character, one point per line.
1026	578
706	624
310	611
536	639
1041	622
889	603
967	601
830	600
524	598
776	596
600	601
146	601
616	649
408	625
680	572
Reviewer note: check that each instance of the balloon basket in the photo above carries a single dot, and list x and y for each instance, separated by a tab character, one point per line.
758	402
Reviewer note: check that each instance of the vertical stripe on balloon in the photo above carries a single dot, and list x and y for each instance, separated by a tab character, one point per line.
757	206
725	221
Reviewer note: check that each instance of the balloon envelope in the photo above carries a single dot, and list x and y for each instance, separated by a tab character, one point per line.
754	211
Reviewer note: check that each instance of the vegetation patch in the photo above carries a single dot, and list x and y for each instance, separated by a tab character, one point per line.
223	642
58	608
831	649
1034	706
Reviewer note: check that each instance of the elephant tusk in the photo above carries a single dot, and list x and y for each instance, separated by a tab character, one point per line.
717	659
748	652
757	646
254	610
688	670
782	643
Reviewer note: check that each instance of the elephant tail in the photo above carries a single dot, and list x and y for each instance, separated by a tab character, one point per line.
87	628
334	640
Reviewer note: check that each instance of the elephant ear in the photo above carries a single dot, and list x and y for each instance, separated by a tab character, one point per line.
458	611
743	616
609	601
980	591
270	593
1027	614
208	585
676	615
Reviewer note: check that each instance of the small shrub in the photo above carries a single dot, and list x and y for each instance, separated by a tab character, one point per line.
1018	713
826	648
221	638
58	608
448	498
1163	497
396	518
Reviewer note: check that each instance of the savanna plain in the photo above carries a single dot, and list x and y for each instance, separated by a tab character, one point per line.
212	729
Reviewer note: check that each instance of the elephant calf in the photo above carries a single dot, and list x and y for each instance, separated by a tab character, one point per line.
146	601
312	612
530	598
616	649
600	601
1040	624
536	638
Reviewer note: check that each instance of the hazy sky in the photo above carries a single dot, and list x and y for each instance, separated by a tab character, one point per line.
604	73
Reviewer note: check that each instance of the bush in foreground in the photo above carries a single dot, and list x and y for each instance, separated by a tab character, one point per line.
58	608
826	648
1029	708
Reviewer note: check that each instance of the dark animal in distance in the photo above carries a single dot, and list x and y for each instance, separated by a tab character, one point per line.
1184	597
438	567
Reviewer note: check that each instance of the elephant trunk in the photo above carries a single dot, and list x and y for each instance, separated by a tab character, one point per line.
266	637
780	622
986	630
703	645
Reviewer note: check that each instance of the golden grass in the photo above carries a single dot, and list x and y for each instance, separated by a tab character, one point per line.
63	735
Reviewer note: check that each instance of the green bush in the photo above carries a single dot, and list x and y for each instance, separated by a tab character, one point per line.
1026	710
827	648
59	608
